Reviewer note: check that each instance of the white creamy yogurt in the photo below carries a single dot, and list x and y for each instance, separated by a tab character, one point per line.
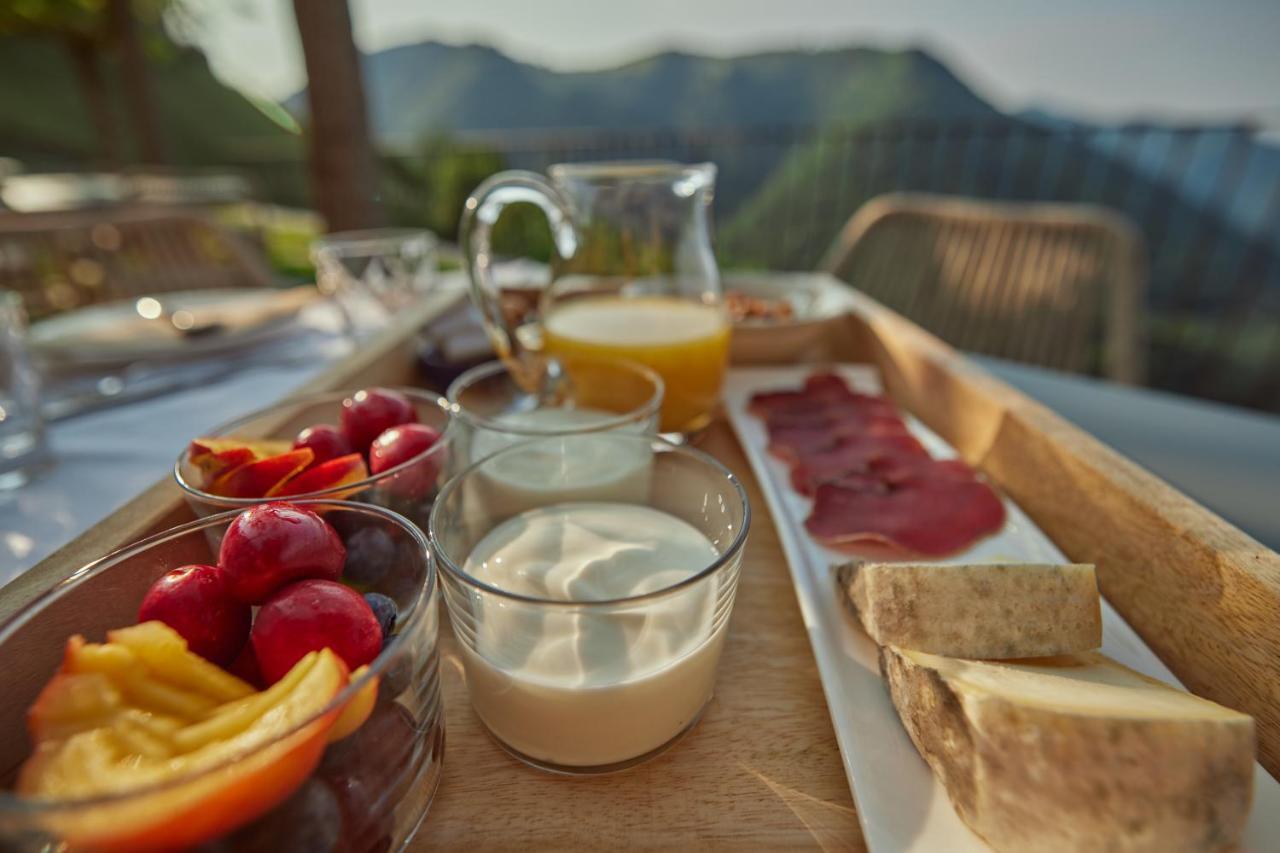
588	687
596	466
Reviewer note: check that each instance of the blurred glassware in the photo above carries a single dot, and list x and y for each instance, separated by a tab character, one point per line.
373	274
22	436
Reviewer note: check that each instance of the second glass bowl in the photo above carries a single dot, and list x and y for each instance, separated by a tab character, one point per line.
408	488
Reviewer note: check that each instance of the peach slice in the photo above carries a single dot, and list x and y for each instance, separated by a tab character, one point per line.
260	479
189	777
213	465
147	668
261	448
328	475
357	710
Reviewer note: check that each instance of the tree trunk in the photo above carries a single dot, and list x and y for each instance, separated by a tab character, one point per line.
84	59
343	170
137	82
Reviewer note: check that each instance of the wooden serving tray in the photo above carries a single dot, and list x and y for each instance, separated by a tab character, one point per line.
762	767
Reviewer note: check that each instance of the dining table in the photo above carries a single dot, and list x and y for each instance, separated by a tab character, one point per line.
1226	458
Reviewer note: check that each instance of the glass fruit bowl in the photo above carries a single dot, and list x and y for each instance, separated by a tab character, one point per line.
408	488
355	772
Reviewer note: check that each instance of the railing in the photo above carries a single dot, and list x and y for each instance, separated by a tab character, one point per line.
1206	199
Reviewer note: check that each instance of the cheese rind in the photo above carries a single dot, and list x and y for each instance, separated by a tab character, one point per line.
1076	752
977	611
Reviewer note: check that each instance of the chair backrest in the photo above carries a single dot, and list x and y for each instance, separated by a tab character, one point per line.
59	261
1050	284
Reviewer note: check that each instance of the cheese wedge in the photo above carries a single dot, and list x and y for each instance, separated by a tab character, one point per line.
1076	752
977	611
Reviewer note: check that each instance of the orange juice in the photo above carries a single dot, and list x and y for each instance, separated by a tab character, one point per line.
685	342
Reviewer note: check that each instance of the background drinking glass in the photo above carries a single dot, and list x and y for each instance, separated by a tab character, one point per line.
22	437
617	706
373	274
491	410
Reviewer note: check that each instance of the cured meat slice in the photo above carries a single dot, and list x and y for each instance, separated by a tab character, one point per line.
925	515
794	442
820	390
867	409
888	470
881	456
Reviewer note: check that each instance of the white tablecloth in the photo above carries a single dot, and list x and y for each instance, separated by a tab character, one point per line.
102	460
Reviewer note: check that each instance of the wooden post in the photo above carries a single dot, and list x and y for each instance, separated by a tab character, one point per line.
343	171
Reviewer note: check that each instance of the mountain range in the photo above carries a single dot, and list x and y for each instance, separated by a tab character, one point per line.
433	88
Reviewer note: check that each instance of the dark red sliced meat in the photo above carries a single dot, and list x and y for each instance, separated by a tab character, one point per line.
924	515
819	389
873	454
794	442
832	412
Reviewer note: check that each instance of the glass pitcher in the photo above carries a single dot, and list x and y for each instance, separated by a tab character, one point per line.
633	277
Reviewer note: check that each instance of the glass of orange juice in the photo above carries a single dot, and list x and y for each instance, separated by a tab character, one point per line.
633	277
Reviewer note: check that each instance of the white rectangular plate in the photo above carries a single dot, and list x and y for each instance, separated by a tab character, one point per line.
900	803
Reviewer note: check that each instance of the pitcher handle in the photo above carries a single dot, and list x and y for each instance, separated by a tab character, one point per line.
478	217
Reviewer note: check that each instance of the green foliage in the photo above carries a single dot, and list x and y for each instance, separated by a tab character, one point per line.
83	18
429	189
70	18
44	124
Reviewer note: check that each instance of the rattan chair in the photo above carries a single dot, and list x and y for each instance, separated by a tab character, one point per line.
60	261
1055	285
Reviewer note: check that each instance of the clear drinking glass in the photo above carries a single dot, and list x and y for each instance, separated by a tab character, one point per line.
375	273
408	488
575	682
633	276
491	410
367	791
22	436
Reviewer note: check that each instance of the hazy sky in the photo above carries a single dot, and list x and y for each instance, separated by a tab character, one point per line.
1100	58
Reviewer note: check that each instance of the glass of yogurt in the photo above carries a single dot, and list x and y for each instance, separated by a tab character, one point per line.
493	411
591	616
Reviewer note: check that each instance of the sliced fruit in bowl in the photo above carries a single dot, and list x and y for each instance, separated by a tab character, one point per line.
340	471
201	750
143	742
379	430
262	477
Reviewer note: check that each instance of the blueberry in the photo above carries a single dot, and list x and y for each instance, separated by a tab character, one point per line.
310	821
384	609
371	553
397	677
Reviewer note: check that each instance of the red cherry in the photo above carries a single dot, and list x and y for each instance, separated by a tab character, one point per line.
196	601
325	441
245	667
310	615
273	544
400	444
366	414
